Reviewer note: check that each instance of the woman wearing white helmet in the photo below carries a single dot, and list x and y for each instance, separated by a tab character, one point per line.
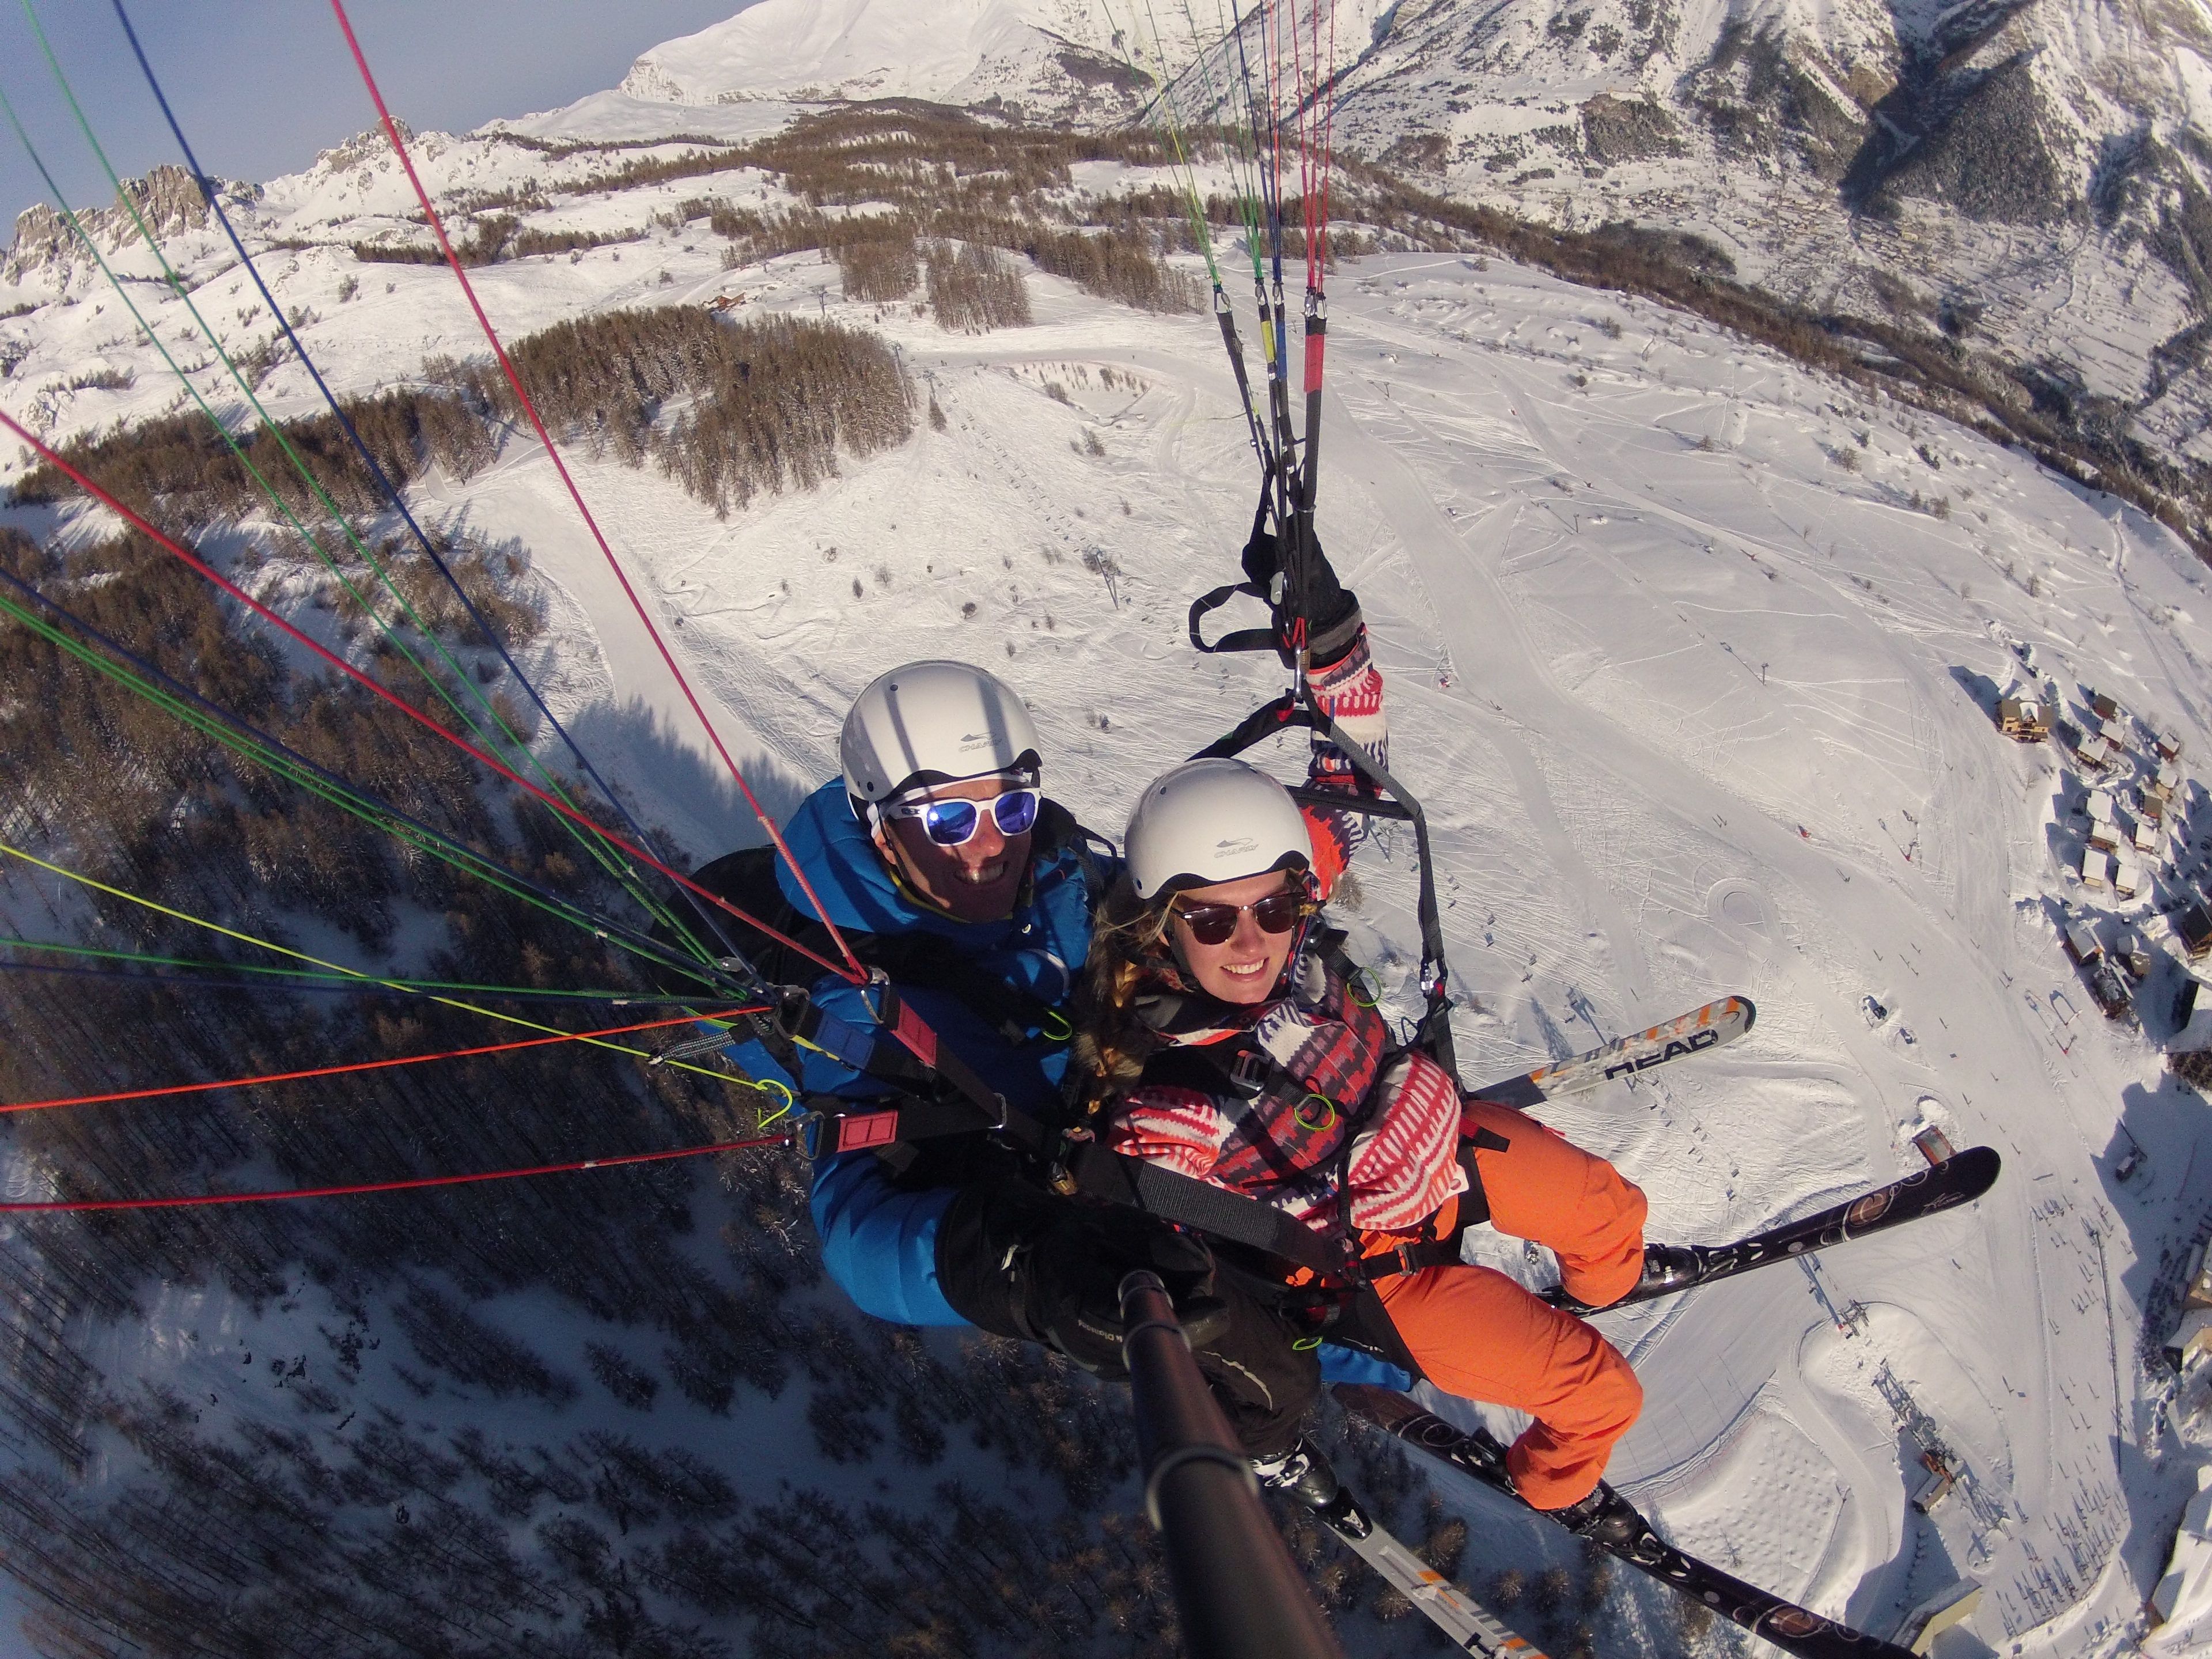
1229	1039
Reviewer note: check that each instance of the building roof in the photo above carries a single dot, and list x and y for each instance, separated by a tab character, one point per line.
2181	1605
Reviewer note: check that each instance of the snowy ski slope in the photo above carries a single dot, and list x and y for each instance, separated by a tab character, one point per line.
1693	710
1700	701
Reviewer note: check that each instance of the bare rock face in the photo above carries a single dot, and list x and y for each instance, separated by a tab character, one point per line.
167	199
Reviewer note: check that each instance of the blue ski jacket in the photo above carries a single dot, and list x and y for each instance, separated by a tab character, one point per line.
879	1243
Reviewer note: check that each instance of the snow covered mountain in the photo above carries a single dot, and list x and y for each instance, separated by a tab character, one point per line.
1042	59
2033	172
2036	172
1693	654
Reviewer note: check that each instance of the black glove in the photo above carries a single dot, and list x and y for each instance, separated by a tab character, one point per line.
1329	609
1071	1282
1026	1263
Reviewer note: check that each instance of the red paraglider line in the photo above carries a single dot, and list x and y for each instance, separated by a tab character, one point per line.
453	263
47	455
372	1064
199	1198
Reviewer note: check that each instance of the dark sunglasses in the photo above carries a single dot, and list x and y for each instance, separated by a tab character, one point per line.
954	822
1212	924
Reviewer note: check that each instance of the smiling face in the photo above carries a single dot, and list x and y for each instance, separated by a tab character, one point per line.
1244	967
976	881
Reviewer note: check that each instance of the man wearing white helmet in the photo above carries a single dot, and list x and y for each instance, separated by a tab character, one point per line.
941	863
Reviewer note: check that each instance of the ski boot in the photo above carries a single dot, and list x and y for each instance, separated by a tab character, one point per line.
1304	1476
1604	1518
1667	1267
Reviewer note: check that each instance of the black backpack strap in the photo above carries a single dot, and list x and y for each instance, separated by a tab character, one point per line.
747	879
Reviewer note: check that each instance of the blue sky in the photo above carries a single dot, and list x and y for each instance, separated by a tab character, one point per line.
261	85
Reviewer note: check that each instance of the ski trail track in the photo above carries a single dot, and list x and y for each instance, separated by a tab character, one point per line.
1414	459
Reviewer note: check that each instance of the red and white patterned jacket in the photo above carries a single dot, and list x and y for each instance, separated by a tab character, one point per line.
1342	1136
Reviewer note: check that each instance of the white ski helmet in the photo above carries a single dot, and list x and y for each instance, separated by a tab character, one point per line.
1209	821
932	722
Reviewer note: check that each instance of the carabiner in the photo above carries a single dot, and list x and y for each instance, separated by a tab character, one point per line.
790	1100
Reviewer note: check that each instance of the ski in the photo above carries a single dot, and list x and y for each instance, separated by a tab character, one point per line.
1793	1629
1699	1031
1958	1179
1471	1628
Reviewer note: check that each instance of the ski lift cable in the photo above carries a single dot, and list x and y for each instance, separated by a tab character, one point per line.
190	708
99	886
55	1206
553	454
47	452
593	843
390	491
391	1061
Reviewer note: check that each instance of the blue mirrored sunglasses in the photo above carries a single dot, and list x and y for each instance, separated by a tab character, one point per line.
954	822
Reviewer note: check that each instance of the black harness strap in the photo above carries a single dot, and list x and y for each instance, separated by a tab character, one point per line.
1432	1033
1243	639
1109	1176
1115	1179
940	1095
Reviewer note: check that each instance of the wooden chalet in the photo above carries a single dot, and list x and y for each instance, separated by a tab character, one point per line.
2082	944
2193	928
2023	719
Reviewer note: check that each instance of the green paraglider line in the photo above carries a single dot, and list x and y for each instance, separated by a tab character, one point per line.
53	458
388	1062
247	741
289	979
853	970
595	841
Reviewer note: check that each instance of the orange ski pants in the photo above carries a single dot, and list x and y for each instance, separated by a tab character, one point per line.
1479	1336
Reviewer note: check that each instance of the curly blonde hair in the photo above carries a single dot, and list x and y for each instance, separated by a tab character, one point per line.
1111	1042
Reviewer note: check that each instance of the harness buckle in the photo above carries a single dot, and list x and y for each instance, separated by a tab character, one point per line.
1247	1074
